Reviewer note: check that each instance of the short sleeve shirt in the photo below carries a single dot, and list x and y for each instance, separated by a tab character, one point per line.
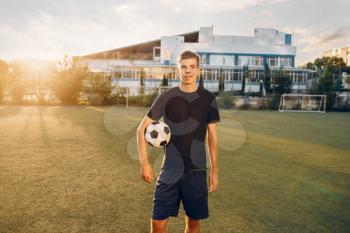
187	114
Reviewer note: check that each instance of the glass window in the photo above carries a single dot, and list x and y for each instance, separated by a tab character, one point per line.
250	60
237	75
256	61
243	60
273	61
222	60
285	62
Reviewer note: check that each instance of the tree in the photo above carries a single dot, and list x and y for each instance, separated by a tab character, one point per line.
329	79
142	82
333	64
326	86
309	66
68	79
98	88
221	81
4	71
267	78
245	75
281	84
201	81
164	81
16	83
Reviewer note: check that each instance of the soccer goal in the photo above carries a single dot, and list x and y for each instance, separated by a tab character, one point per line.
302	103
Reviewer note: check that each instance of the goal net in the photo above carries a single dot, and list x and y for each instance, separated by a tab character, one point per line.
302	103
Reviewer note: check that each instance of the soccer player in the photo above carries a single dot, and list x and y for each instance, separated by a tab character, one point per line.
190	111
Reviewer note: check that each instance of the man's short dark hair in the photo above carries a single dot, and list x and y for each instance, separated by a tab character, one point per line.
188	55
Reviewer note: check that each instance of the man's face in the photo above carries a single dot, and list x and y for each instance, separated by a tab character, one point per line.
189	71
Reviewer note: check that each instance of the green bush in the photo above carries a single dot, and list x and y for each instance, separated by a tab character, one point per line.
342	107
147	100
244	107
142	100
274	102
225	101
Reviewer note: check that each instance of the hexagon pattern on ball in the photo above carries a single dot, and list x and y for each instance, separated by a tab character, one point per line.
157	134
166	130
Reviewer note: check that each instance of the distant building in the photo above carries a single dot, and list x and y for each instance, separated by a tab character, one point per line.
340	52
222	57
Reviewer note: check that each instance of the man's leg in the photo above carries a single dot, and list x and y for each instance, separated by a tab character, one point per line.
194	193
159	226
166	201
192	225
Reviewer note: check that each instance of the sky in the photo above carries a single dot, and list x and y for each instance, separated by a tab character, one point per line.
49	29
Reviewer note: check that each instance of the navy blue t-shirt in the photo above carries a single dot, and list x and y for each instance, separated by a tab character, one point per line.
187	115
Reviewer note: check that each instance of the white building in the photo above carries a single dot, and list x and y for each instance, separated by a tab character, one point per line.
267	45
222	56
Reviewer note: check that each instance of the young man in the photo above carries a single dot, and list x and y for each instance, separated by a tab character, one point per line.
190	111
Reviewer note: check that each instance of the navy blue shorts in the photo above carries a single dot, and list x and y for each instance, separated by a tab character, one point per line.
190	188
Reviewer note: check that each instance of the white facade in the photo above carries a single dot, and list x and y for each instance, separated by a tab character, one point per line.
222	50
266	46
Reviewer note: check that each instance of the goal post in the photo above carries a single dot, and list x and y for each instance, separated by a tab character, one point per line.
302	103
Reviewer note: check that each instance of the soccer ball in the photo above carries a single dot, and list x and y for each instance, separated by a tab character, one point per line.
157	134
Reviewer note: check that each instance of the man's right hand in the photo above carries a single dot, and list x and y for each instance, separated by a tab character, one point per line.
146	169
146	172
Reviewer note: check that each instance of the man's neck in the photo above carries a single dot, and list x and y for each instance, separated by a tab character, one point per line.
188	88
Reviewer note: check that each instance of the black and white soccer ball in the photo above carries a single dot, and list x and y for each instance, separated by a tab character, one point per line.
157	134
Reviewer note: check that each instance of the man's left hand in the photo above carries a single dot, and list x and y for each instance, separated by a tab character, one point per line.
213	181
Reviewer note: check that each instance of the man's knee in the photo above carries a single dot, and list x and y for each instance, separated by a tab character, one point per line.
159	226
192	225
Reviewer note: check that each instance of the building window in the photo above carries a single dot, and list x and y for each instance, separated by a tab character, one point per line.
250	61
256	61
280	61
222	60
237	75
285	62
253	76
273	61
288	39
243	60
156	53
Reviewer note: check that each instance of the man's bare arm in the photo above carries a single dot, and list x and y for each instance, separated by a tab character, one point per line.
212	144
146	169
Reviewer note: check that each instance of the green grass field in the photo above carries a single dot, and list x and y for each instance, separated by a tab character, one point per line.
74	169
